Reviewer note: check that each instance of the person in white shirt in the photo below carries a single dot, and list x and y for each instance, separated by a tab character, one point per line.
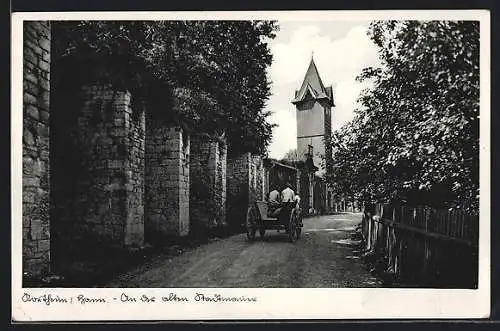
287	199
274	204
274	196
287	195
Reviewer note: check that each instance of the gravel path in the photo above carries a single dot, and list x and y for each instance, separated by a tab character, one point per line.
324	256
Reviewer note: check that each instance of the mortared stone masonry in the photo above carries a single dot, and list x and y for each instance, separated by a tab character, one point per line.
36	90
167	182
245	183
102	205
207	184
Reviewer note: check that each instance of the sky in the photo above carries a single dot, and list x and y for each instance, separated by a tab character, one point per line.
341	49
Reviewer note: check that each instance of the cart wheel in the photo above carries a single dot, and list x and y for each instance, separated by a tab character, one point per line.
251	225
262	232
299	228
292	227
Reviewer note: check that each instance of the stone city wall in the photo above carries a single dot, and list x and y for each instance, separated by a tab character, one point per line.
245	173
167	182
36	87
208	181
98	197
237	190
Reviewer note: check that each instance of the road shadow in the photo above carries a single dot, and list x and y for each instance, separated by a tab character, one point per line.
274	237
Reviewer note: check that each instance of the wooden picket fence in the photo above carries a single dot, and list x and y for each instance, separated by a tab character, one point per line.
423	246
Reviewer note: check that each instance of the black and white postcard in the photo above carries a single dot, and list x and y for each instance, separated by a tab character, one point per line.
250	165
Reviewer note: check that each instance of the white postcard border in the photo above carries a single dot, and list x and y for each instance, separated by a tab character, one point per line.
297	303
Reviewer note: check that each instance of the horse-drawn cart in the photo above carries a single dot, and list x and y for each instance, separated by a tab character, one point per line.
289	220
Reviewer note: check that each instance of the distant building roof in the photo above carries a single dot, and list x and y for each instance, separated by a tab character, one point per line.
312	87
273	162
308	163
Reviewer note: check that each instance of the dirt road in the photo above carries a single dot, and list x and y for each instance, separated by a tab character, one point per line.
322	257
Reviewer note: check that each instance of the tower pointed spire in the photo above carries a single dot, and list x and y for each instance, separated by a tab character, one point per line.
312	83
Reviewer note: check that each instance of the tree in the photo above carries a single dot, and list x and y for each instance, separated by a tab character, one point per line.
207	75
415	138
291	155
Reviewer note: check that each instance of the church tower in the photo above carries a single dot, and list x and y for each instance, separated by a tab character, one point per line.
314	102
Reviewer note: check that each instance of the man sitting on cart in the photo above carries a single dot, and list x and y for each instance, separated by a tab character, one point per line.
287	204
280	204
287	195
